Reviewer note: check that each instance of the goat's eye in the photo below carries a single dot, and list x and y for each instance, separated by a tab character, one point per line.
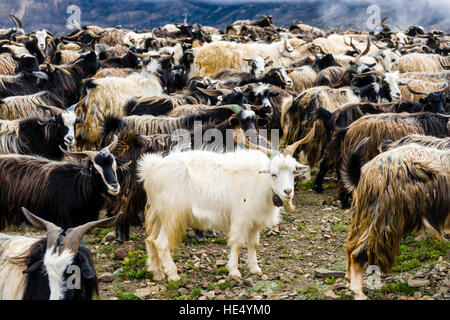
274	175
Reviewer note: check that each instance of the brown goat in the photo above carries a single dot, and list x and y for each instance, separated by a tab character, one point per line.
400	191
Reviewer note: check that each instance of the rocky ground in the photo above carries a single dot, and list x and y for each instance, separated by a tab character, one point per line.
301	258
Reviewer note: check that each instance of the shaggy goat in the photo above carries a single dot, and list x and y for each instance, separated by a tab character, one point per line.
234	192
67	193
402	190
39	136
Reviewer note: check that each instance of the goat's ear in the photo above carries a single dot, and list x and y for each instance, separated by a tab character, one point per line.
264	171
289	71
34	267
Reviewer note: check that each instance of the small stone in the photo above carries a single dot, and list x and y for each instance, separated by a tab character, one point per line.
419	275
109	237
417	294
202	298
106	277
417	283
330	295
264	277
183	291
143	293
249	281
209	295
324	273
122	251
257	297
326	237
220	263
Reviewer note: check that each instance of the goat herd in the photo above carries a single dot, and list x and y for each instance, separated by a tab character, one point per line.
372	107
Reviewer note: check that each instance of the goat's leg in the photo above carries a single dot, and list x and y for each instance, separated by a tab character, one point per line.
153	262
356	277
163	248
252	260
235	243
318	183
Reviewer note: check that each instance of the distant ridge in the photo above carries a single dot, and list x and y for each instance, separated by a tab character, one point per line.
140	14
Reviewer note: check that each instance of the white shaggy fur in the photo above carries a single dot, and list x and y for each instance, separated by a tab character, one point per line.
12	279
205	190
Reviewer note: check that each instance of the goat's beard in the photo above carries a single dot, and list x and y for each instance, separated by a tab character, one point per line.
289	205
278	202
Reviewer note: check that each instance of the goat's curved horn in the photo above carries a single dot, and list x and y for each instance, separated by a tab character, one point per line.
74	235
240	138
366	50
415	91
113	144
376	72
266	58
52	109
216	92
16	21
376	45
347	71
233	107
79	154
76	35
290	150
145	55
53	231
444	115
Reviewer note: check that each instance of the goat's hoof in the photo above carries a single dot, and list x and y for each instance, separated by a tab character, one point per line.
234	275
256	271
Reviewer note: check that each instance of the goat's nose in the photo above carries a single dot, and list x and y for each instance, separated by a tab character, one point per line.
287	191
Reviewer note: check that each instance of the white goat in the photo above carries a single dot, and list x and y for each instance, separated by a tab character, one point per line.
235	192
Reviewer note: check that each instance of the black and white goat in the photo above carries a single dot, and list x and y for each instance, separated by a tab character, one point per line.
55	267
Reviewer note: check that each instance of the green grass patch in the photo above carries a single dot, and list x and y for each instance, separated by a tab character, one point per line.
336	227
127	296
224	285
399	288
301	227
311	293
330	281
222	270
196	292
134	266
221	240
414	254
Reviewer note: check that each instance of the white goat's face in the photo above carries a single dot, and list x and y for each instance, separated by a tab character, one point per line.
56	264
69	119
287	50
388	59
41	37
258	66
283	170
391	81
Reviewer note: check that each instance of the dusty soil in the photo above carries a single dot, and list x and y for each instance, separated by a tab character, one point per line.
308	239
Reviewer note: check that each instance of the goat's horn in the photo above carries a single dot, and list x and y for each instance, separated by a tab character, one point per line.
366	50
53	109
290	150
74	235
16	21
53	231
76	35
240	138
360	75
79	154
113	144
414	91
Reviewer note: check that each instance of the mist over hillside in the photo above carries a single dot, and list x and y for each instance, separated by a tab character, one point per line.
145	14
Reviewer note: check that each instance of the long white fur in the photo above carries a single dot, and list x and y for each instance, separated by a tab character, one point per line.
206	190
12	279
